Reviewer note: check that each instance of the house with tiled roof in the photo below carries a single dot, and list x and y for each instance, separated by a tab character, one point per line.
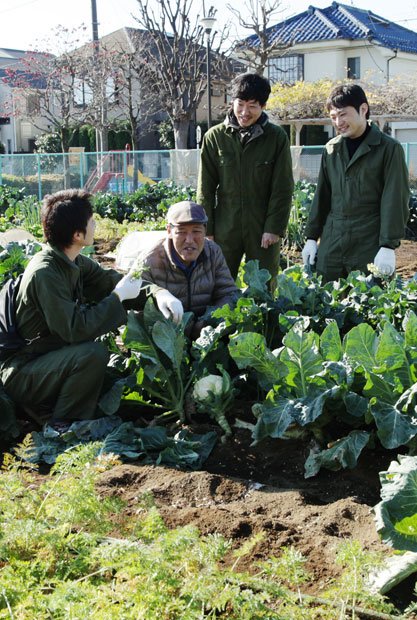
342	41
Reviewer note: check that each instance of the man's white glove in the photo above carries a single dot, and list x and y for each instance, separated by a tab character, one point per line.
309	252
169	305
128	287
384	261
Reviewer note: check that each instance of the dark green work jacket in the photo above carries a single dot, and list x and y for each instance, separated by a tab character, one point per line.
360	204
63	302
245	190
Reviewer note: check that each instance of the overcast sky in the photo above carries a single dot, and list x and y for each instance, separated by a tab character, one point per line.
25	23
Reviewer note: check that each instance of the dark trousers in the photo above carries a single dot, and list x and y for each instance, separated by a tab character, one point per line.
69	378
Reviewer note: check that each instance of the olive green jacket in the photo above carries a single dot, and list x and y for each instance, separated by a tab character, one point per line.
245	190
360	204
64	302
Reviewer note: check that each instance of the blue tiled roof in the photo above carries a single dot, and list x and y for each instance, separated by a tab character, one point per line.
339	21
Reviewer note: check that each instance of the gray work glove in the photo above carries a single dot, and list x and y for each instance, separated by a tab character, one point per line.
384	261
128	287
309	252
170	306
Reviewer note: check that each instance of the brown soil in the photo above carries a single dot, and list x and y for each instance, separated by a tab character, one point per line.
245	489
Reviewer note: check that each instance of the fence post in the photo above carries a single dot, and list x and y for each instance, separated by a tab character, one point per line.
125	172
39	177
81	163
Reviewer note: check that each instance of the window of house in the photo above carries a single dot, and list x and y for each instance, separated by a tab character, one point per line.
354	68
32	103
83	95
286	69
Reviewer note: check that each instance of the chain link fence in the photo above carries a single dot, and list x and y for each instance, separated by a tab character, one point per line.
124	171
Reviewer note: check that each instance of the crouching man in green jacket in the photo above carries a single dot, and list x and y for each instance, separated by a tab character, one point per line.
189	271
65	302
360	208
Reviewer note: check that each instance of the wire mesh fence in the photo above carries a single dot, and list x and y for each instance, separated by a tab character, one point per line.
124	171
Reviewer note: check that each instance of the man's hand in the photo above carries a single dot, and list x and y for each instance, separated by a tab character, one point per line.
128	287
309	252
269	239
169	305
384	261
211	237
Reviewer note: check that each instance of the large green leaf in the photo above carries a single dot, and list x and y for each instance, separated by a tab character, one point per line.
394	428
171	340
330	342
343	454
290	290
391	353
396	513
379	387
137	338
410	329
249	350
338	372
307	409
256	279
109	402
408	400
277	412
360	345
356	405
274	417
302	352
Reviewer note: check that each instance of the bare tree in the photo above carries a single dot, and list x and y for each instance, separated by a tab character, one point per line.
45	88
134	75
176	51
258	16
44	91
393	98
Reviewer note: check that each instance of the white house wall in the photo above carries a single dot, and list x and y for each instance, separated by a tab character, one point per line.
322	61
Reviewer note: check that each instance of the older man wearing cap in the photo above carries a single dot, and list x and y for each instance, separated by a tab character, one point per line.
189	270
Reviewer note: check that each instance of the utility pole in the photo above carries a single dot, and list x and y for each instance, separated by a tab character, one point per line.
101	134
207	22
94	21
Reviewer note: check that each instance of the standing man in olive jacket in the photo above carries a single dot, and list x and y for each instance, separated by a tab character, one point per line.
360	208
245	178
65	302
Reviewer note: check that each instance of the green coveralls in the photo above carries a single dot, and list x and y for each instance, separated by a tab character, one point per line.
246	191
360	204
62	306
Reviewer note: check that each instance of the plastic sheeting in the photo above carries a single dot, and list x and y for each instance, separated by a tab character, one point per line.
134	245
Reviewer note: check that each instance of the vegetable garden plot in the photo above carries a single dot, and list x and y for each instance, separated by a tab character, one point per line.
314	514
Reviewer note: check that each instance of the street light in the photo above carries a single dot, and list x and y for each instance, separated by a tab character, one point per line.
207	23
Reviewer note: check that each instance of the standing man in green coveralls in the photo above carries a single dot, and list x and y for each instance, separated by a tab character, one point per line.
360	208
245	178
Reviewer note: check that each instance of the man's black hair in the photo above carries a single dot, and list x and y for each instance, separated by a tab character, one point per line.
248	86
65	213
347	95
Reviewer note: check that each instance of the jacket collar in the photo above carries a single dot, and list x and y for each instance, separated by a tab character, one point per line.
249	133
373	138
52	249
